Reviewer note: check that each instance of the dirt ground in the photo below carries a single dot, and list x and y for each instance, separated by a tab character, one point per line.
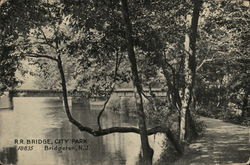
222	143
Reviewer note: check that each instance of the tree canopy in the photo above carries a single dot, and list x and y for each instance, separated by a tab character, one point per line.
194	50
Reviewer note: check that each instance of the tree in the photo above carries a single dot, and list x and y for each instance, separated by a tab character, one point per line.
53	40
190	73
178	63
147	150
15	17
224	70
8	63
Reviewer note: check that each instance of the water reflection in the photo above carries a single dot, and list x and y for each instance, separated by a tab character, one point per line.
44	118
8	155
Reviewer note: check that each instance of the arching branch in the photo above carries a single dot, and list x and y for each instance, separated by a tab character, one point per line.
106	131
99	132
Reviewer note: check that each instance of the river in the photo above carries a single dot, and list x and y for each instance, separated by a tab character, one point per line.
44	118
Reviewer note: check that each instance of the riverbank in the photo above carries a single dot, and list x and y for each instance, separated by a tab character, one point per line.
222	143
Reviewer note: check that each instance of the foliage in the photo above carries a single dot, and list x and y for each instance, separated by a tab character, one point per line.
223	79
160	115
16	18
8	66
93	43
53	35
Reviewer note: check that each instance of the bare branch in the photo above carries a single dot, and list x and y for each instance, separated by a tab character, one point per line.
40	43
111	130
206	60
117	64
46	39
152	101
147	97
35	55
107	131
104	106
203	62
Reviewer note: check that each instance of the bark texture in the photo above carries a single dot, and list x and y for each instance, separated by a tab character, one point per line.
190	74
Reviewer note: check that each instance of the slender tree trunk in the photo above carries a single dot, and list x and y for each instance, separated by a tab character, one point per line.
147	151
64	87
183	120
190	73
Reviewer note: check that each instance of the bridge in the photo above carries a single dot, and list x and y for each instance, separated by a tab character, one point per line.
76	97
44	93
122	92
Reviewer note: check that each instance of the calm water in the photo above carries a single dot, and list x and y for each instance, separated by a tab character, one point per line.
44	118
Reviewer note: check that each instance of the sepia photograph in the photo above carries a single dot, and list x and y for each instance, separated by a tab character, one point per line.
124	82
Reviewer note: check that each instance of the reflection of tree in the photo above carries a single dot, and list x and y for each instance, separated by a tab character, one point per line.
110	149
8	155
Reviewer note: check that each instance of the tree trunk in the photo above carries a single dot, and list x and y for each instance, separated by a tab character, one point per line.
147	151
183	121
64	87
175	142
190	73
